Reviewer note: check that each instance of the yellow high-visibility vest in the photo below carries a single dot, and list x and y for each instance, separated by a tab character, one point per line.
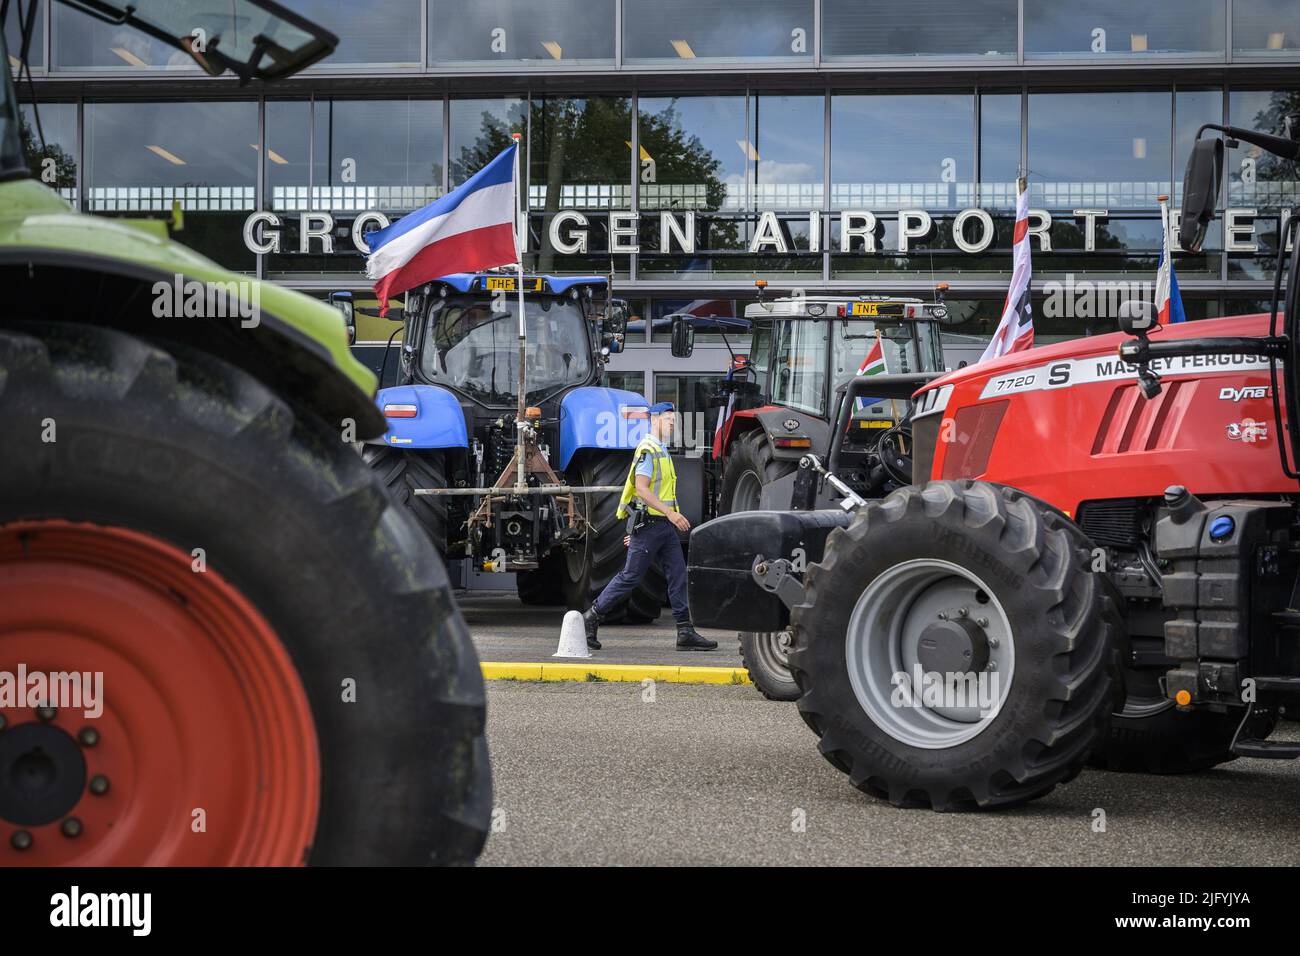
663	482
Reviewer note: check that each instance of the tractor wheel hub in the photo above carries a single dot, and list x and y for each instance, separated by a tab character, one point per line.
953	647
42	774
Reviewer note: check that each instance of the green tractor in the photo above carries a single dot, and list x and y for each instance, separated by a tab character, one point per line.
221	640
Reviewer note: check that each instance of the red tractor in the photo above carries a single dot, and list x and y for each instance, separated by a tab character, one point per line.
1101	567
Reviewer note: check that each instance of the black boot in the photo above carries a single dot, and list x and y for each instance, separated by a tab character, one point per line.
689	640
591	621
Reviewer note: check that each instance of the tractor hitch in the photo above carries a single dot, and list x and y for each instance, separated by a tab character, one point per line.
726	590
777	577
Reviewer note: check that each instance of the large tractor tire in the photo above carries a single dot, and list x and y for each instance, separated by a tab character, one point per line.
957	577
1150	734
751	465
286	678
766	657
592	562
403	471
545	586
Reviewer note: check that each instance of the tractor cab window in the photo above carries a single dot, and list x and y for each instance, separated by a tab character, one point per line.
867	347
474	350
875	348
760	349
799	368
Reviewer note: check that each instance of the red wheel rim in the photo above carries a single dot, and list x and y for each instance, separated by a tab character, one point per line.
206	738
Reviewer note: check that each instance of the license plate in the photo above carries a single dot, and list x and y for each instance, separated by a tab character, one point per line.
876	423
866	308
507	284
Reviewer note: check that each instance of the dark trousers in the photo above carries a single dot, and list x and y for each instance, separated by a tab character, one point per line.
657	541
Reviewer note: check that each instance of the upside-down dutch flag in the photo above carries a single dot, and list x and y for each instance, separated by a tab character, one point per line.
1015	332
1169	302
469	229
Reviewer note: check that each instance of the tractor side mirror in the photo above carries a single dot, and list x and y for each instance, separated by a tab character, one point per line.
1137	316
683	337
616	313
343	302
1200	192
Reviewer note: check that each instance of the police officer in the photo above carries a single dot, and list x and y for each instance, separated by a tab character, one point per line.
650	492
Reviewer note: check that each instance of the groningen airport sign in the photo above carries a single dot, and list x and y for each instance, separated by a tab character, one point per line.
569	231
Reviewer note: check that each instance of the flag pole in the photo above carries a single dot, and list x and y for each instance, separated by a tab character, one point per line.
884	365
1165	270
521	223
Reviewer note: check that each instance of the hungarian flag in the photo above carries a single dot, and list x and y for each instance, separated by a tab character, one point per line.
1015	332
1169	302
470	229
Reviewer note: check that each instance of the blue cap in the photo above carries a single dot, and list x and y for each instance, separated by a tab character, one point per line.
658	407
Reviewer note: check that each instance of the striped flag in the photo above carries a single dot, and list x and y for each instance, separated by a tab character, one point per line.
470	229
1015	332
737	364
874	363
1169	302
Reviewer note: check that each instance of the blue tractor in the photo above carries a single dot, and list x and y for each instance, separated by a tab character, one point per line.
522	480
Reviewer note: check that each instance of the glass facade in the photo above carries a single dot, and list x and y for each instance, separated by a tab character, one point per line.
785	150
903	151
148	158
690	397
852	29
1121	28
506	32
481	129
13	37
500	36
999	148
381	155
1265	27
51	143
383	35
1107	150
677	31
692	153
82	42
1262	187
691	148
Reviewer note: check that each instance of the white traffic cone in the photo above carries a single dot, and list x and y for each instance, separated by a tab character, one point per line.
573	637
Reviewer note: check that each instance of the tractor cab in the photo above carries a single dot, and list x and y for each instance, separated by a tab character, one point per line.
463	334
781	396
805	350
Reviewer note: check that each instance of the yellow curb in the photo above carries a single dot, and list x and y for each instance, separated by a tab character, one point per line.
615	672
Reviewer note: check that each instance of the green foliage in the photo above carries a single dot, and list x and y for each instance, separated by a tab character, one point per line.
61	173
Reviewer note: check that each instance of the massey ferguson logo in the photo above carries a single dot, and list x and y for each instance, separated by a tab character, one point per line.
1231	394
1248	430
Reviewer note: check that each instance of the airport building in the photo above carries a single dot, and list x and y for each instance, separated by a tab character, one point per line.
829	146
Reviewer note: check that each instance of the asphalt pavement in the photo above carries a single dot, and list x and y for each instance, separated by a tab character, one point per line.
596	774
671	775
506	630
